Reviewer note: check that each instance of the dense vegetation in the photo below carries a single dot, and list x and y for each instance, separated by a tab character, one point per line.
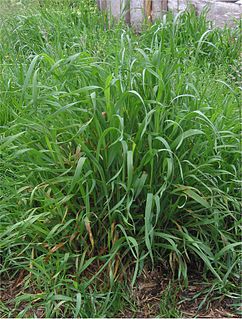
118	151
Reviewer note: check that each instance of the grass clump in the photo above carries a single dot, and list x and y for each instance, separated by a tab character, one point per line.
118	151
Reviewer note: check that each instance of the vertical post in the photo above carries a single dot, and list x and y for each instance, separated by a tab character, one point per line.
158	8
136	13
115	7
164	5
127	11
148	9
120	8
102	4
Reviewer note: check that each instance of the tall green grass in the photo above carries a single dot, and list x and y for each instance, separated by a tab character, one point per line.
117	151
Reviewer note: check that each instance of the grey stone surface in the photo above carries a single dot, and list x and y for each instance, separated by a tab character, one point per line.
118	8
136	12
115	7
220	11
102	4
224	13
158	8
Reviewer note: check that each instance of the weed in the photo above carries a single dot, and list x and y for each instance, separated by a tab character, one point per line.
117	151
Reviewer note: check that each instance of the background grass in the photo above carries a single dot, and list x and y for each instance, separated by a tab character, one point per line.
117	151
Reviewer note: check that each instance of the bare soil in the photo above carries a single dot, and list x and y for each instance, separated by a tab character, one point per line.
149	291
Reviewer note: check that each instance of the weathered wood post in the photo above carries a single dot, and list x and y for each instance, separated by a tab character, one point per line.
134	11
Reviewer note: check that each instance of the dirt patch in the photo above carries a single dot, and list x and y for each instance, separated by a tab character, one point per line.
9	290
157	294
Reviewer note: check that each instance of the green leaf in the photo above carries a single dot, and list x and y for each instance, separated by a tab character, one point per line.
201	200
148	225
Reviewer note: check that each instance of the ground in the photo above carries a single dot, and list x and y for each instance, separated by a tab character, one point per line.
154	295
